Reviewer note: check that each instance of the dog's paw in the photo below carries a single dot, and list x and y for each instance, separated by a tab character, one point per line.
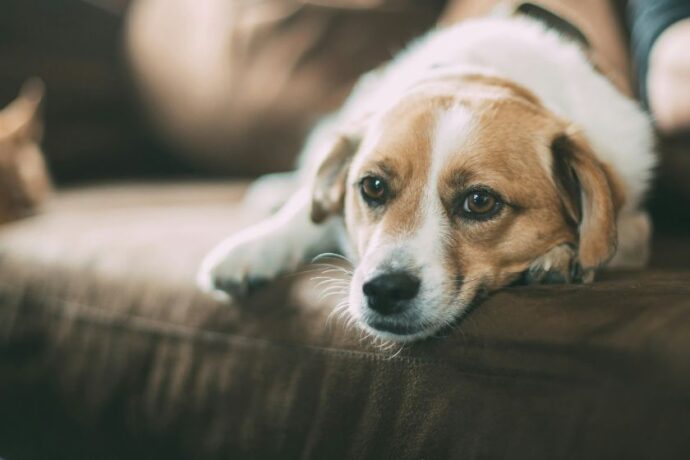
238	266
557	266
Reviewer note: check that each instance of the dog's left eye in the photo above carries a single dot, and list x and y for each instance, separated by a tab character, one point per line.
480	205
374	190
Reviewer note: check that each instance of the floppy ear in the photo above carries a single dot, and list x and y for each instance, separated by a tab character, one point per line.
590	197
328	192
21	120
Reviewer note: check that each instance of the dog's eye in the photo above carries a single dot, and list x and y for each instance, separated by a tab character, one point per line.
480	205
374	190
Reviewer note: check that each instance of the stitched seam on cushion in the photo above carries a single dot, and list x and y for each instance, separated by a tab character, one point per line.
163	326
125	322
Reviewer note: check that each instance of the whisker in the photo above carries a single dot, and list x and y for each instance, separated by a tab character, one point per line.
323	296
336	270
336	288
339	312
331	282
333	255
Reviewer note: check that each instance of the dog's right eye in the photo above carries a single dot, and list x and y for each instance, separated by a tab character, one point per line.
374	190
480	204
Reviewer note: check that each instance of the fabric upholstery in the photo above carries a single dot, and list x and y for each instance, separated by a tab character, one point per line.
108	351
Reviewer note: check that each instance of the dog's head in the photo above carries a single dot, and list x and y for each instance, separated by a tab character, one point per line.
455	191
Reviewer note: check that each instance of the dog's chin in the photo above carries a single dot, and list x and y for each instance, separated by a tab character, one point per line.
395	332
407	327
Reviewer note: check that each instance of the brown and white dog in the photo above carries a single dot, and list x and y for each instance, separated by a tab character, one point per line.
487	152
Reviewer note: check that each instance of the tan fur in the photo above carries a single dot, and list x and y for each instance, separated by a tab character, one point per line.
506	153
404	156
597	226
509	150
453	115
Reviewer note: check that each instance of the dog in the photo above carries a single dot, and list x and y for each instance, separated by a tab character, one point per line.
485	153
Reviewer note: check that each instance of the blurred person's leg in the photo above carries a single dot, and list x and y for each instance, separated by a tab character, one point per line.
236	84
668	79
596	20
661	47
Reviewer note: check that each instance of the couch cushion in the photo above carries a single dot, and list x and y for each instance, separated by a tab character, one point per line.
107	348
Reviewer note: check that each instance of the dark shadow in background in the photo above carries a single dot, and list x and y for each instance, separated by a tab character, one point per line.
93	127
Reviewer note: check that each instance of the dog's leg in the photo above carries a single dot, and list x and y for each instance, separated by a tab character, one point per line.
261	252
267	194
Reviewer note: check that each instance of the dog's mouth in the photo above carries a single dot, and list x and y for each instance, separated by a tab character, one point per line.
424	316
411	326
397	331
395	328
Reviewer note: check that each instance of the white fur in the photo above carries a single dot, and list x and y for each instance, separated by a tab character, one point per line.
519	50
263	251
555	70
422	251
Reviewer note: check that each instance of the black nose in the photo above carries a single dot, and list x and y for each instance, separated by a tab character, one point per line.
387	294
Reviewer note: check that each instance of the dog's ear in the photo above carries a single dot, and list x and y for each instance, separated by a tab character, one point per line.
590	196
21	119
328	194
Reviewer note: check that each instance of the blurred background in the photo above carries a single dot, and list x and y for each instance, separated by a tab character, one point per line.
140	88
94	127
151	87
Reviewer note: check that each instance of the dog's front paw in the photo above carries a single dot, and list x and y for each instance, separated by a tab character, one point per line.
557	266
238	266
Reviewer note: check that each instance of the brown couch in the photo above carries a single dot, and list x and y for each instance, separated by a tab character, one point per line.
108	351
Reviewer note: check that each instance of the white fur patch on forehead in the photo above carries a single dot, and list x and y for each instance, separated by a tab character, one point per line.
451	136
453	131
